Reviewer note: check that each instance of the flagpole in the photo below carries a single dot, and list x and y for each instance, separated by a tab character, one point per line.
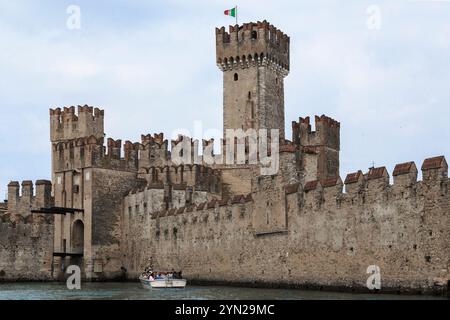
236	8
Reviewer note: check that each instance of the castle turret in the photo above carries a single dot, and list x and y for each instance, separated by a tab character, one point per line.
67	125
77	138
154	151
320	147
21	203
254	58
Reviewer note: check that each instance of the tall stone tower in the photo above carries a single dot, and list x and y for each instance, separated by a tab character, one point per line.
254	59
77	141
67	128
89	181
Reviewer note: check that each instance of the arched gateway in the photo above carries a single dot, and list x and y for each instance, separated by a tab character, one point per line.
77	242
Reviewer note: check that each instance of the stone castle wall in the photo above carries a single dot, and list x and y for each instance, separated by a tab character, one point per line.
30	196
104	259
26	248
26	239
133	204
329	239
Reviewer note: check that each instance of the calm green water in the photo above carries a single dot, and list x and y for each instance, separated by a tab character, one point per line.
133	291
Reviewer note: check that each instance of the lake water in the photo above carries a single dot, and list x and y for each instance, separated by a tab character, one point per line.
133	291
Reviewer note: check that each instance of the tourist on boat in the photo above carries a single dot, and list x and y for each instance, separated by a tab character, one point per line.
159	277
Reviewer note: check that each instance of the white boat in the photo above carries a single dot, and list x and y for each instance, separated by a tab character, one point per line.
168	283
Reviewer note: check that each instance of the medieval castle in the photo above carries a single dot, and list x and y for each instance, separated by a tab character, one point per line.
113	211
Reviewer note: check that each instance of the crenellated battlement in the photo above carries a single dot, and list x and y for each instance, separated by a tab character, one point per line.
131	153
130	156
374	186
197	177
22	198
199	221
320	148
171	187
434	169
222	209
91	152
157	138
165	199
327	132
119	156
252	44
77	153
193	143
67	124
154	150
186	150
114	148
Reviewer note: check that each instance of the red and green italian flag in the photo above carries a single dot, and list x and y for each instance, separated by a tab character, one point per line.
231	12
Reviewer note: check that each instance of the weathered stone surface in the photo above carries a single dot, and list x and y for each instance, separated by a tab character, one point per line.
330	241
26	250
229	224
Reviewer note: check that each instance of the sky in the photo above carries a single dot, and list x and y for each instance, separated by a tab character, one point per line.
381	68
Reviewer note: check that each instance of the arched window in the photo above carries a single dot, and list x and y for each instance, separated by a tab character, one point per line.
71	151
61	154
78	237
249	95
254	35
236	77
82	153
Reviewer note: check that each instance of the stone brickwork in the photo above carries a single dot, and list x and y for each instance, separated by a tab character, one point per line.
26	247
131	204
26	239
67	125
96	179
327	240
320	148
33	196
254	59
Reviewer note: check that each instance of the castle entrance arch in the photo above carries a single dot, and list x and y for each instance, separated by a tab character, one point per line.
78	237
77	242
